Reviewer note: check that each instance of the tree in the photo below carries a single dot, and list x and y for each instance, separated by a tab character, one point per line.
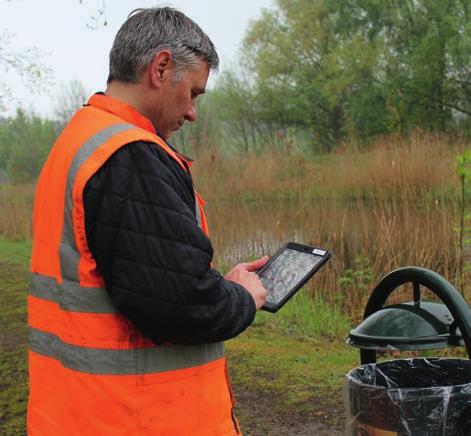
71	97
343	68
295	51
426	53
236	103
204	134
25	141
35	75
23	64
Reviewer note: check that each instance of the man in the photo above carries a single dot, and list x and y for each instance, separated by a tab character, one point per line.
126	315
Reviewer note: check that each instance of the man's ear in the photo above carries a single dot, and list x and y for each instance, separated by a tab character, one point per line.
160	67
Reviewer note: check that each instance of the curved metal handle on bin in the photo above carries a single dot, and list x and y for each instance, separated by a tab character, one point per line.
443	289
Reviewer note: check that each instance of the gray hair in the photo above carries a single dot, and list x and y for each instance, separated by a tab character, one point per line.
148	31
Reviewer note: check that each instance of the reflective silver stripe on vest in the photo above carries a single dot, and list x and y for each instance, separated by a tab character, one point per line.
198	213
71	296
75	298
69	255
123	362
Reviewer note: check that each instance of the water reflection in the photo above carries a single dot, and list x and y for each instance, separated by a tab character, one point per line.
386	234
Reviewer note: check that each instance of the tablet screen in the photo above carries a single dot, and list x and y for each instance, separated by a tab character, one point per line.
286	271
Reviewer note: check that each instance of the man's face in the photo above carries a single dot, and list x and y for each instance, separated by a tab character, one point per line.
178	98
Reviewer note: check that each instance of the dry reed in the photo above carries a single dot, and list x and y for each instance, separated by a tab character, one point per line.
16	211
391	205
368	239
422	167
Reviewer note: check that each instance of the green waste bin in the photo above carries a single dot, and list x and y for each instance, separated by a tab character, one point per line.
413	397
417	397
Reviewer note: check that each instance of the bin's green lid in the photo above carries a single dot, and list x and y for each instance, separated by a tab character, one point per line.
407	326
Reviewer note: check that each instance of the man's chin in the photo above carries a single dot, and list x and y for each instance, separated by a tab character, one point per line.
166	135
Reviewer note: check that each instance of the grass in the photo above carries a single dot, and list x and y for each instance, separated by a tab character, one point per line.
13	347
289	363
15	252
300	379
307	317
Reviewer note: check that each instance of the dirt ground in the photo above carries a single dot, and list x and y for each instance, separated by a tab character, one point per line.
259	415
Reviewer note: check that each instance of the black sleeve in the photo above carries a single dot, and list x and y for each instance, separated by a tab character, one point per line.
142	231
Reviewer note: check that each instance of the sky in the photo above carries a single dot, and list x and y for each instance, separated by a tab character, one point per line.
69	38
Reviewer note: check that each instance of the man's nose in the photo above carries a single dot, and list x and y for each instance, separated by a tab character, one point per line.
191	114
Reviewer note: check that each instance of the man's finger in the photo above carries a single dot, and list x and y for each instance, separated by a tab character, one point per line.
256	264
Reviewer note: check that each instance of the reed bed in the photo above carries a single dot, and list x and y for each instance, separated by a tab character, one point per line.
419	167
367	238
393	204
16	203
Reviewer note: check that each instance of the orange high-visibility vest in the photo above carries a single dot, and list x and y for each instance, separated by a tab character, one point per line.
91	371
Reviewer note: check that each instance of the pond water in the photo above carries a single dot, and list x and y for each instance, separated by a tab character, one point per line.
367	239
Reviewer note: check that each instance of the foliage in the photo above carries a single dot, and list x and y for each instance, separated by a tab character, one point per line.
464	172
203	135
464	230
228	119
235	101
35	75
71	97
360	68
360	277
98	17
25	141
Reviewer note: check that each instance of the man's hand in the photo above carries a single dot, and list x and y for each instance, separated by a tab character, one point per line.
243	274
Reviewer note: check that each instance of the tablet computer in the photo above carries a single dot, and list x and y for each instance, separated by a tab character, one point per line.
288	270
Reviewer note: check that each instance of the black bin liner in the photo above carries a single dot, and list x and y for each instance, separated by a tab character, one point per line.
423	397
